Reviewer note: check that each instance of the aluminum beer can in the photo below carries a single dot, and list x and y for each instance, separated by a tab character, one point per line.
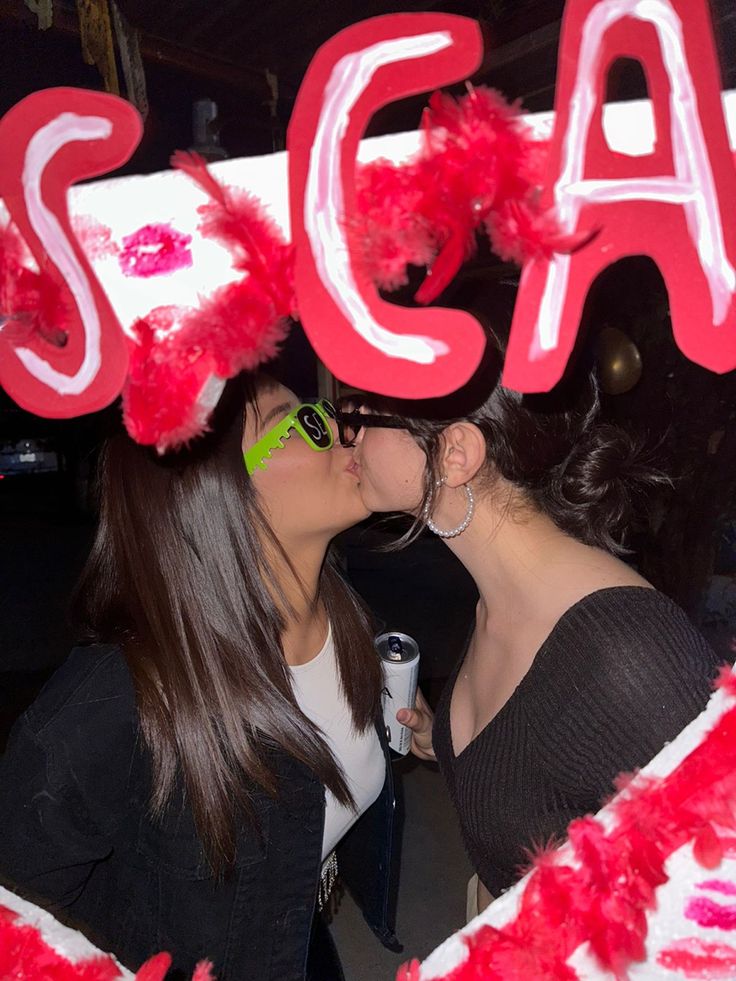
399	655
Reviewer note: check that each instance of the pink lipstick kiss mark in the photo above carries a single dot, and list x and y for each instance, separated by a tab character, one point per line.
719	885
696	958
155	250
706	913
94	237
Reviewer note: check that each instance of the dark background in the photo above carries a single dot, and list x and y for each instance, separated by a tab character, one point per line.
222	50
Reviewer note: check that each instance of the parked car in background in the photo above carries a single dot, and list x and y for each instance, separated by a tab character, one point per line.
45	463
28	456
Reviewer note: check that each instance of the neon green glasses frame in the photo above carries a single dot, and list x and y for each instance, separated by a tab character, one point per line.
310	419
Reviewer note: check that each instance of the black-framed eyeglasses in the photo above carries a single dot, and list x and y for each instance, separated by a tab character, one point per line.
351	422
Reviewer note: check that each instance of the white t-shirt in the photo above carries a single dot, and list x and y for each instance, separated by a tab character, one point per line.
316	687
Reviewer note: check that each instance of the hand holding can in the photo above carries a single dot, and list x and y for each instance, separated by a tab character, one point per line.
399	655
420	720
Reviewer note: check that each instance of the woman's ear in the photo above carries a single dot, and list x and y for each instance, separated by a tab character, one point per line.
463	453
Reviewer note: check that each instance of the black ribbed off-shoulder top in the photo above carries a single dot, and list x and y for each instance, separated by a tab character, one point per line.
621	673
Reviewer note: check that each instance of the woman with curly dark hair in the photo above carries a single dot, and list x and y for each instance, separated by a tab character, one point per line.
576	669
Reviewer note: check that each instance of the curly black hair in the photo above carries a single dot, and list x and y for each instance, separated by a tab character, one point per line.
586	475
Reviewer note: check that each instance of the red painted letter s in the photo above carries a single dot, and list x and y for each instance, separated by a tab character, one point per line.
50	140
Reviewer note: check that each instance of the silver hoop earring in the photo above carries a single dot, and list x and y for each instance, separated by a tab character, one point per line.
453	532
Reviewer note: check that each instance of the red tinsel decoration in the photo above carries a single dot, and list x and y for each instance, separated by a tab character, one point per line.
236	328
161	398
32	303
606	898
390	232
237	220
480	169
155	969
26	956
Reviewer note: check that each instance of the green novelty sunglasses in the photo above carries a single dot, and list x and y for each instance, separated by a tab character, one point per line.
310	420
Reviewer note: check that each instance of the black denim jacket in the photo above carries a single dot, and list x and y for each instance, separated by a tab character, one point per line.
76	836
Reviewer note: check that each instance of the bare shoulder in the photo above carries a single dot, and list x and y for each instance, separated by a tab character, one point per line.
578	571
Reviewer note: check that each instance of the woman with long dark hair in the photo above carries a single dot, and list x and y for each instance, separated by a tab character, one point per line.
191	780
575	668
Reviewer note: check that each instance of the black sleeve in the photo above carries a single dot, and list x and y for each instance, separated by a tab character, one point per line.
625	684
48	844
63	778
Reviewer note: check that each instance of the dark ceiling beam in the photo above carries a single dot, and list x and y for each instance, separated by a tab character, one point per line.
525	65
530	45
155	50
209	22
524	68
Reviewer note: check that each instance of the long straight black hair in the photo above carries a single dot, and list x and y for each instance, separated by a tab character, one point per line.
178	577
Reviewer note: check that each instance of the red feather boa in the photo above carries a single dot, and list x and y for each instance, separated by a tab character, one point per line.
25	956
236	328
479	170
606	898
33	304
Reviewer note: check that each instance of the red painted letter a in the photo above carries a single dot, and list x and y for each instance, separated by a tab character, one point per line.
675	203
